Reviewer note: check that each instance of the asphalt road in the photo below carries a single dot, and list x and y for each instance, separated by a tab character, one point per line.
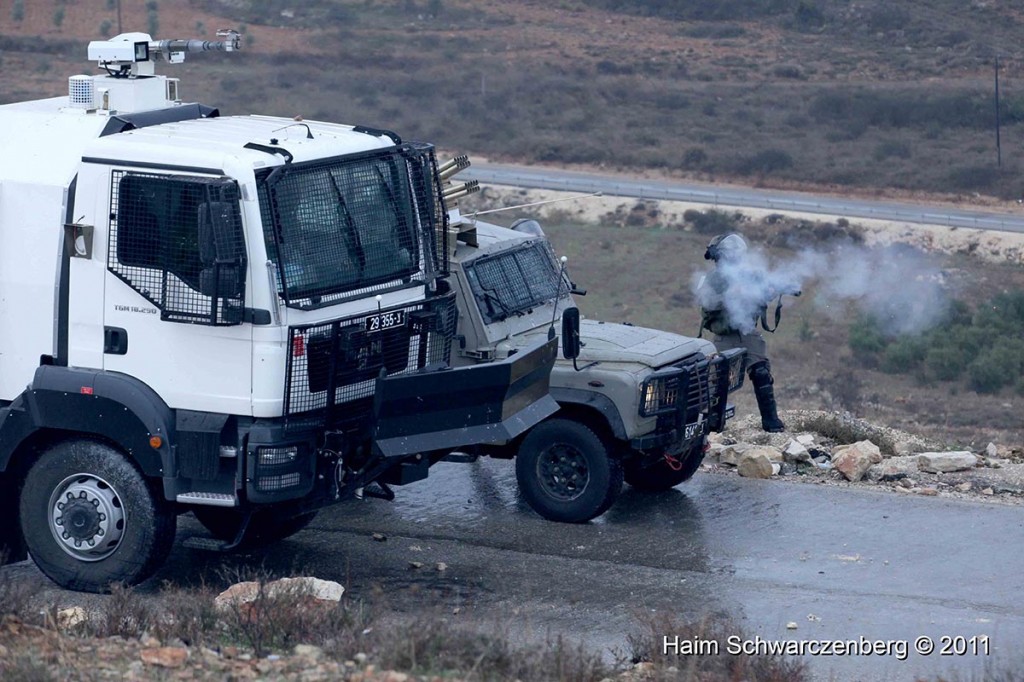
840	563
739	197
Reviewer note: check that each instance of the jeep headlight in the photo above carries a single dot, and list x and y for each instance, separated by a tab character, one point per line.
658	395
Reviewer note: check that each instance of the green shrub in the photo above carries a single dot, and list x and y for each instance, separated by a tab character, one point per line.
903	355
1003	314
866	339
892	149
767	161
986	374
711	221
945	363
997	366
695	157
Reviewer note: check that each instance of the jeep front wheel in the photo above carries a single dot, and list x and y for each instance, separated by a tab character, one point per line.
90	518
566	472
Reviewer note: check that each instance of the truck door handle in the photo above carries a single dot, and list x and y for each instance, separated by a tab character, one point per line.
115	341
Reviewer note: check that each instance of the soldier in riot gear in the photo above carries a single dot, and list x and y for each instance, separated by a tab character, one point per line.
733	297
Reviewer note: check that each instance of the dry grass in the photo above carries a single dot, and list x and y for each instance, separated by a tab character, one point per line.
762	99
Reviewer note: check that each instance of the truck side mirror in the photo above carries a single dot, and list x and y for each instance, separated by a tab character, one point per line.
221	250
571	333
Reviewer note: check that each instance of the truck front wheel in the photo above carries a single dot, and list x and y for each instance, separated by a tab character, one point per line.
566	473
657	476
90	519
264	527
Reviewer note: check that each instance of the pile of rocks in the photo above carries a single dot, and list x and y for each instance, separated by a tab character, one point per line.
904	462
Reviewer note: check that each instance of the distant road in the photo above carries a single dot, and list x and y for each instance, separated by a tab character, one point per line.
739	197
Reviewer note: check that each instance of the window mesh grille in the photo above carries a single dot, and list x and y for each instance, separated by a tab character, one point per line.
344	228
433	215
515	281
335	363
163	245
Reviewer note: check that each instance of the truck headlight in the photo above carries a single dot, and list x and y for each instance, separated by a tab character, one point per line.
277	456
658	395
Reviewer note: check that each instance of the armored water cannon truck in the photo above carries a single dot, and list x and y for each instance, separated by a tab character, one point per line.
637	404
247	317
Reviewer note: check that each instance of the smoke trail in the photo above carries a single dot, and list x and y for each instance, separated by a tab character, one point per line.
898	286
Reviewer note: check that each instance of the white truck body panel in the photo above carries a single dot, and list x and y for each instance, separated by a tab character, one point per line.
191	366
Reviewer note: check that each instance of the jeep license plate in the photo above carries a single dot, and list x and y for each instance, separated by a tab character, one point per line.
388	320
695	429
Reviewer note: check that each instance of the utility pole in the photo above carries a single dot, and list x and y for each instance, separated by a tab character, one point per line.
999	149
119	29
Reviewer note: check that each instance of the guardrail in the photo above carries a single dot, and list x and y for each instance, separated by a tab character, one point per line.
570	181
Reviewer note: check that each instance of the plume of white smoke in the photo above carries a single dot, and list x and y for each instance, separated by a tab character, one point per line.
899	287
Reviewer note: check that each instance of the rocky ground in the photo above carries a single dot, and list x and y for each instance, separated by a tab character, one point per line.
836	449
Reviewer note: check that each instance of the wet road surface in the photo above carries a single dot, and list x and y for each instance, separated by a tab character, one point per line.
841	563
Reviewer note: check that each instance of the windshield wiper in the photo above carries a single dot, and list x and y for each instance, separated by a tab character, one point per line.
490	298
355	243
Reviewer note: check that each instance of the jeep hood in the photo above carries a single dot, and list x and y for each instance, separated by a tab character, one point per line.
611	342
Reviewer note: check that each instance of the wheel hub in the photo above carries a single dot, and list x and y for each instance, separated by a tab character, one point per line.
563	472
86	517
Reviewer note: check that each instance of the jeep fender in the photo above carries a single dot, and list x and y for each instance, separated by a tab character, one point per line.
113	406
596	401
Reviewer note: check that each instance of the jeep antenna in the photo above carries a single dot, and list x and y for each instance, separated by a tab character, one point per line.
535	203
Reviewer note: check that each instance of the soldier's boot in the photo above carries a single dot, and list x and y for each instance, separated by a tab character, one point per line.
761	378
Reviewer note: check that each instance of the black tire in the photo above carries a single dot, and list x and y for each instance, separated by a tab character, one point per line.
658	476
90	519
264	528
566	472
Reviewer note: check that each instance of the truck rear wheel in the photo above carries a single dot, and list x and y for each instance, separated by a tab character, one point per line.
643	474
264	527
90	519
566	473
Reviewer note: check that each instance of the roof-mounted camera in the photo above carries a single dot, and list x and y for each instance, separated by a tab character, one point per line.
130	55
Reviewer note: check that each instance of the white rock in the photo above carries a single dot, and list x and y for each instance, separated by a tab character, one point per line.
893	467
308	650
755	463
992	450
805	439
853	461
796	452
71	617
731	454
714	452
245	592
944	462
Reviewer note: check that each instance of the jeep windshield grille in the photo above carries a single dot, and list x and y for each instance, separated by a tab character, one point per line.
341	226
514	282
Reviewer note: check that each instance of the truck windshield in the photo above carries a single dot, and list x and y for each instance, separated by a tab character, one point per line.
340	226
514	282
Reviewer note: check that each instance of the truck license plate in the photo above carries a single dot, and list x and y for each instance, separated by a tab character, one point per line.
388	320
694	430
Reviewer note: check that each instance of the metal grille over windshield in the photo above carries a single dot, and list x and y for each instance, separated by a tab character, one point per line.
345	227
515	281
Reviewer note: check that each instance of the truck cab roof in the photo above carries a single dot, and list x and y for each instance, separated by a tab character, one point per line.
50	139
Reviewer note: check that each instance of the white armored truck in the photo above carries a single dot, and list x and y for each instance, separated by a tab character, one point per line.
636	405
244	317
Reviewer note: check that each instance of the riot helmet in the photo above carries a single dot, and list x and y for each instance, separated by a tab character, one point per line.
727	247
